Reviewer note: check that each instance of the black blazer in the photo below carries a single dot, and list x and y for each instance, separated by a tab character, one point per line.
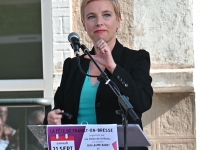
131	76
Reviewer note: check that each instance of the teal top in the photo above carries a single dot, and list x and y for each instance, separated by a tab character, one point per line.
87	112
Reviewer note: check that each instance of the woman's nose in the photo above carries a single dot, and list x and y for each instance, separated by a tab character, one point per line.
99	21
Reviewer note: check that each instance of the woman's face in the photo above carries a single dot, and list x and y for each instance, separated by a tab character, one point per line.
100	21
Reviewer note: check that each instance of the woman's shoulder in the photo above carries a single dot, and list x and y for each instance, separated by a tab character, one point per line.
72	61
138	53
69	63
69	59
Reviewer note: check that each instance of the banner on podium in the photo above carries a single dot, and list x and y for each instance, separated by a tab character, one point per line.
82	137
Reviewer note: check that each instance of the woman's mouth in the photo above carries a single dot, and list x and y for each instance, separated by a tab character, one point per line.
100	31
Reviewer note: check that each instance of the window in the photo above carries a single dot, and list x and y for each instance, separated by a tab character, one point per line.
26	74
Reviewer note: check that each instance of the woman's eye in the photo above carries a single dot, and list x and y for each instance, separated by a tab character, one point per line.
107	15
91	17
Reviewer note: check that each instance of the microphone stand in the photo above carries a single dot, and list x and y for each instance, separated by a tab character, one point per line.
121	98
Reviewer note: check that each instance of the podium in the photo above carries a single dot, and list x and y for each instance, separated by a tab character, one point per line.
135	136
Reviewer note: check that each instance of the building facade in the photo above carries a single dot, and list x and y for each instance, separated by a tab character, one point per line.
166	30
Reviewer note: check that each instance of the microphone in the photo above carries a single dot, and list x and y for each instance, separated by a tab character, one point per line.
74	38
65	114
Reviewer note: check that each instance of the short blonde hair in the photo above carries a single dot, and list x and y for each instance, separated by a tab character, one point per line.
115	4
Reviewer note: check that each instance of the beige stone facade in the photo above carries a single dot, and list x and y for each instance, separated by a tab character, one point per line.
170	123
164	28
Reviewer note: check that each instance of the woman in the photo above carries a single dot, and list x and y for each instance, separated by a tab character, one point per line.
86	98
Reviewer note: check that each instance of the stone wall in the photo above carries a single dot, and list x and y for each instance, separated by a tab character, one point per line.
196	33
165	29
61	27
170	123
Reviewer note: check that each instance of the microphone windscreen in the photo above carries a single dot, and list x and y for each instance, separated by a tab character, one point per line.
73	35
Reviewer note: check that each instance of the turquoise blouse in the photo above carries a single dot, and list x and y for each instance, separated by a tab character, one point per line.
87	112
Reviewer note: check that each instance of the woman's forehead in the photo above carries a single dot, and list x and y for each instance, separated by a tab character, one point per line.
99	5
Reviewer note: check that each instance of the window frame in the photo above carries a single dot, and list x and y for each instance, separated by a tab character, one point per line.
45	84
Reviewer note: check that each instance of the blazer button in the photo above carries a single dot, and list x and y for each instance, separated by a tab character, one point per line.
98	104
126	85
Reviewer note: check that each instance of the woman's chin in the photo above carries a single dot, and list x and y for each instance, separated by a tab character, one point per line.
100	37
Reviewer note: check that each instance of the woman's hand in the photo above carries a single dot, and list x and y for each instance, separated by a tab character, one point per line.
103	55
54	117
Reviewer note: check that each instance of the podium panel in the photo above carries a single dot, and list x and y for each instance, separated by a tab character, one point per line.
39	131
135	136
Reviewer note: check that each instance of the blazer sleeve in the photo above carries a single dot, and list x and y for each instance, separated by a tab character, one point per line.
59	95
134	80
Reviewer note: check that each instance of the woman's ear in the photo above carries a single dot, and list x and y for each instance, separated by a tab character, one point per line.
83	25
118	23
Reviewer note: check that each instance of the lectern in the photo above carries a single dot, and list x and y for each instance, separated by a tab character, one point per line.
135	136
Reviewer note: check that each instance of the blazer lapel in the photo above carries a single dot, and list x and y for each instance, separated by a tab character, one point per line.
80	78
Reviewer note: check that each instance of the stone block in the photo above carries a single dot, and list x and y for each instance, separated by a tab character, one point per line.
61	12
164	28
172	80
56	81
177	145
68	54
60	4
60	38
176	114
170	123
58	61
57	25
62	46
66	25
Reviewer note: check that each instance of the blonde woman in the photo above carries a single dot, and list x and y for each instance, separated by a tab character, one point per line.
85	97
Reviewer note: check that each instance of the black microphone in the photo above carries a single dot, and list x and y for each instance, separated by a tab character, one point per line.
74	38
65	114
